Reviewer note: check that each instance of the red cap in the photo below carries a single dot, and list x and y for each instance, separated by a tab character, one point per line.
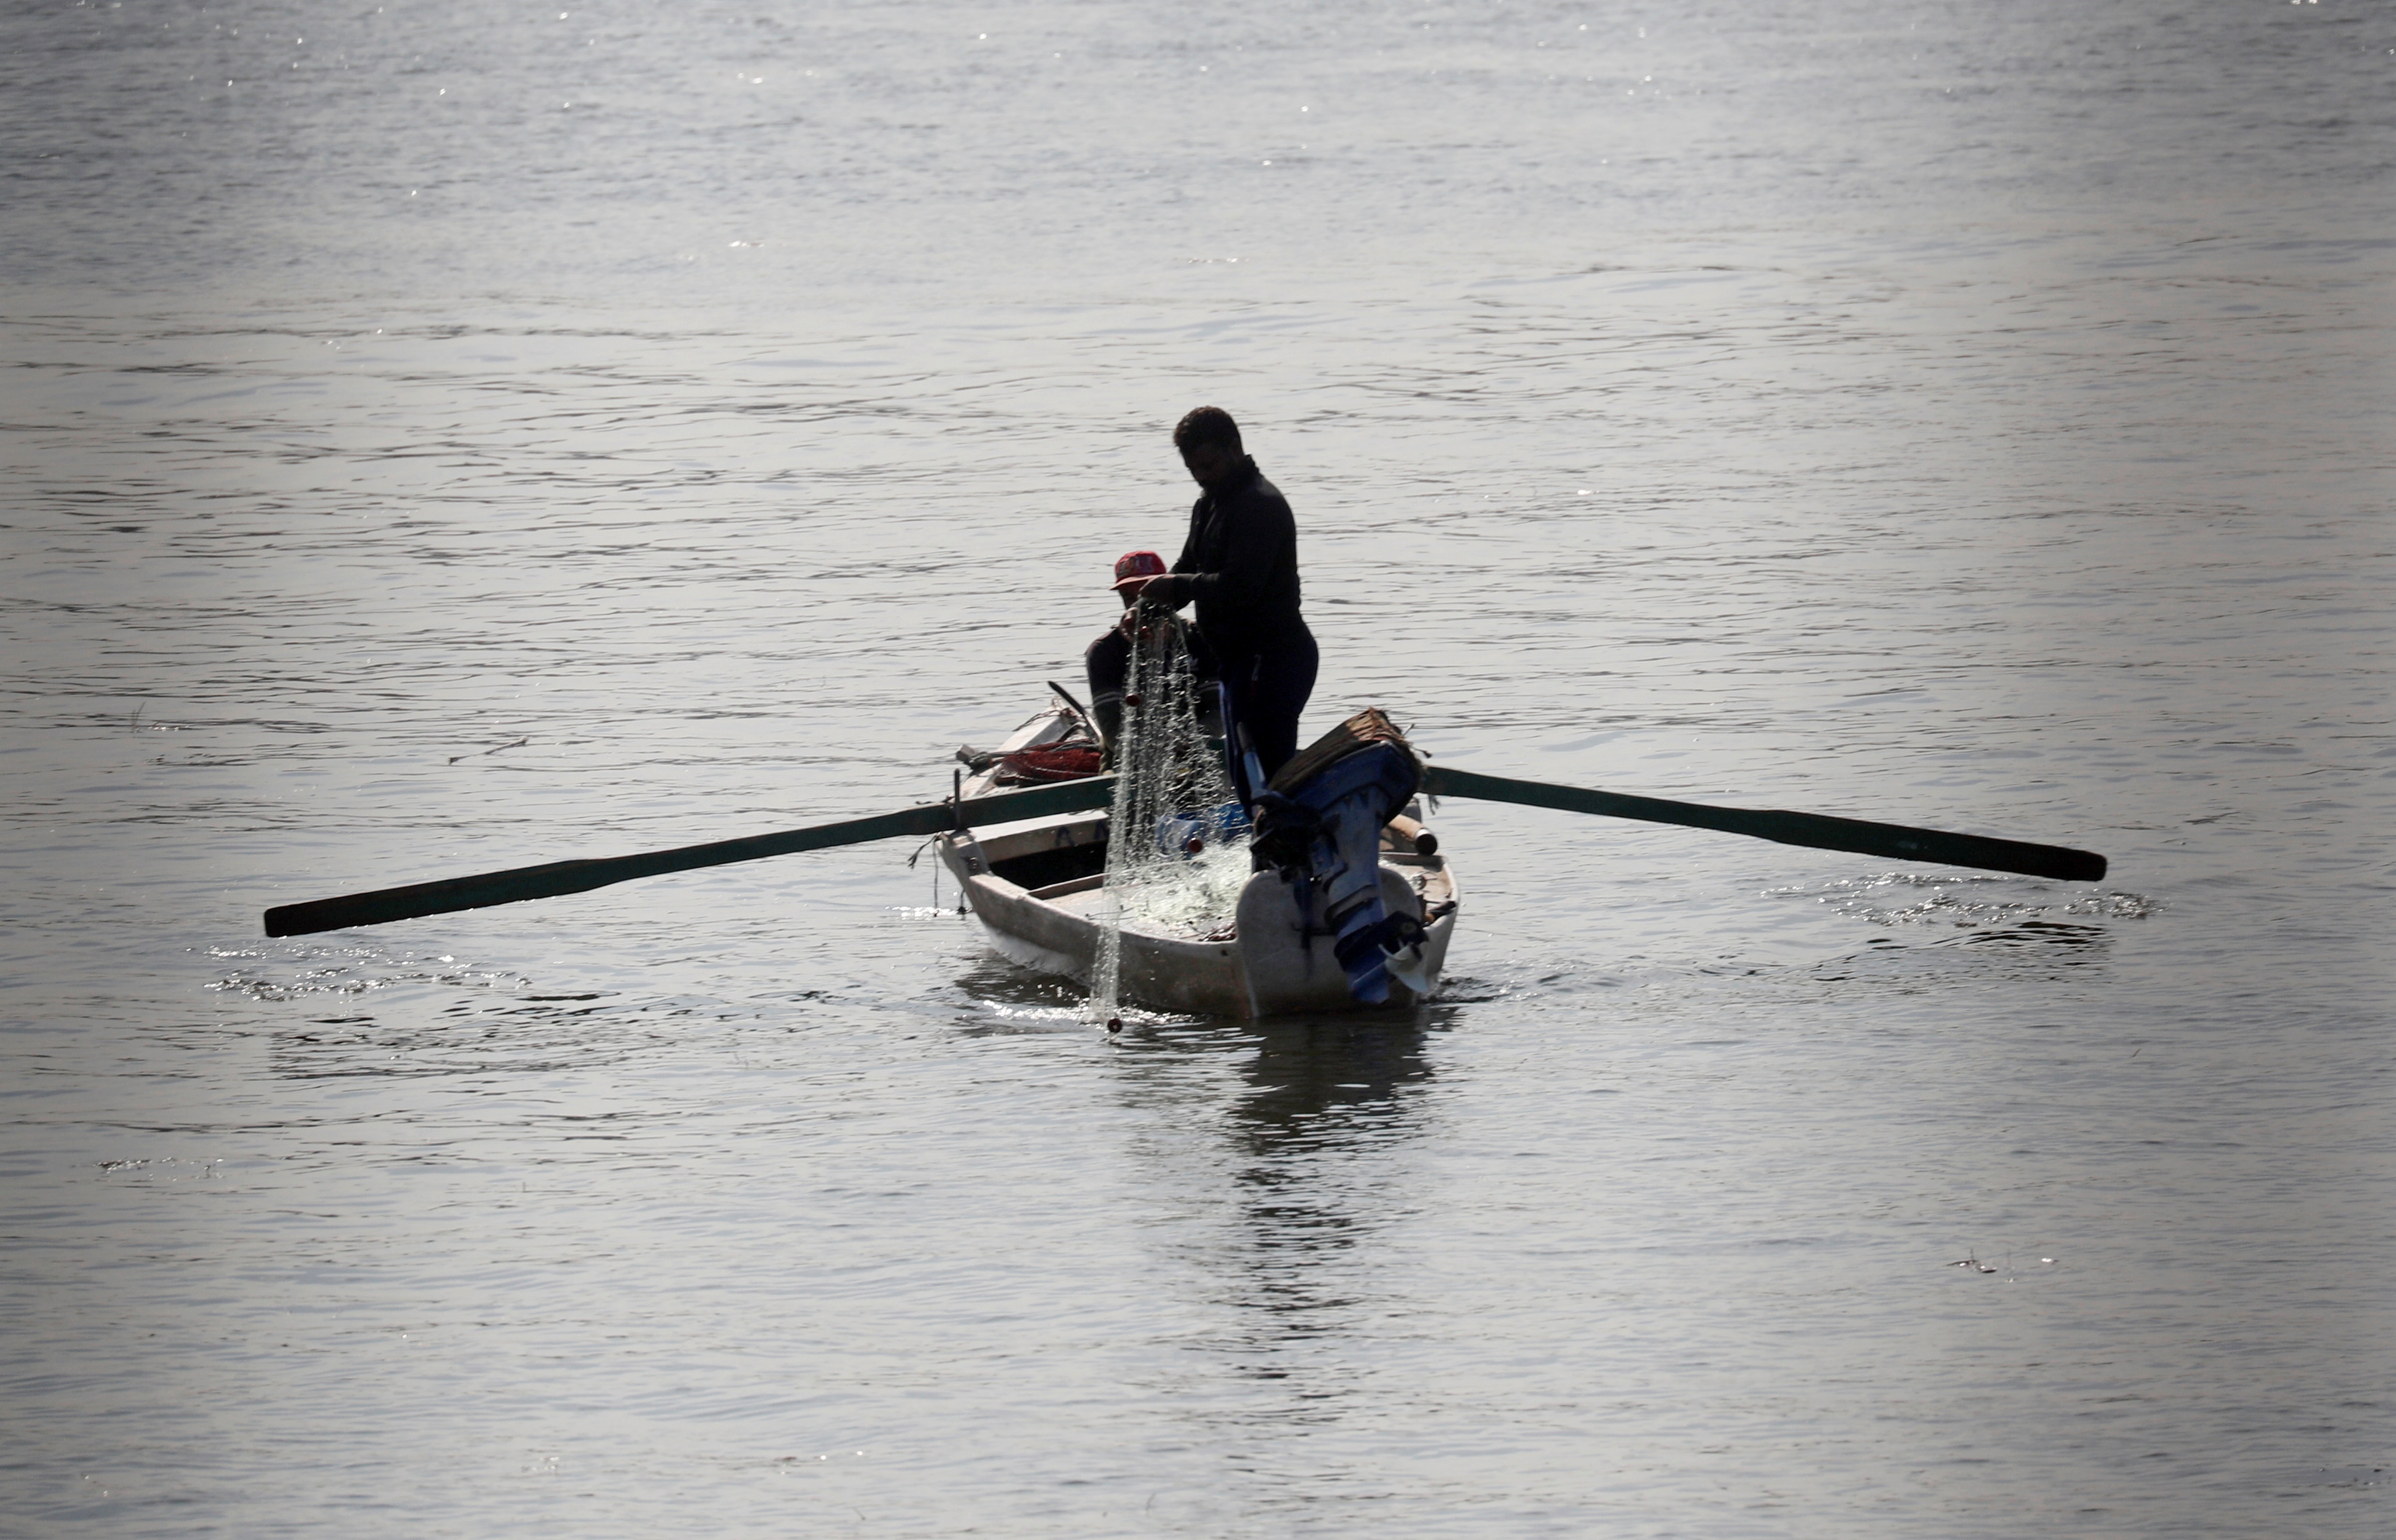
1134	569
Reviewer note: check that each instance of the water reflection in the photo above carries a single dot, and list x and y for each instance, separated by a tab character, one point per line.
1270	1156
531	1035
2029	951
1318	1082
1288	1137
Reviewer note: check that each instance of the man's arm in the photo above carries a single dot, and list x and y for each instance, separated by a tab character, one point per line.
1170	593
1256	530
1188	560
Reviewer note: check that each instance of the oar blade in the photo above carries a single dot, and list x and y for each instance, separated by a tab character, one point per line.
1896	841
438	898
557	878
1813	830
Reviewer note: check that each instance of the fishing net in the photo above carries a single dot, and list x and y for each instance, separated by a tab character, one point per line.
1176	848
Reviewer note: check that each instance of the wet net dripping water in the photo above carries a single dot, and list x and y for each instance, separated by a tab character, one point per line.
1178	853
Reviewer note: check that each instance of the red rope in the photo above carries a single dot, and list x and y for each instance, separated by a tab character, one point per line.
1050	763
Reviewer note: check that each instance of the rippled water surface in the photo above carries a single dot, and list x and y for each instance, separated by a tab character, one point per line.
445	437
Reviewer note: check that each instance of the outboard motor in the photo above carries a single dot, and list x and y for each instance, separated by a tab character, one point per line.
1319	825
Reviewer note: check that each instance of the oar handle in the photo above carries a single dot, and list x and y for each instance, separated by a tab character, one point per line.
557	878
1812	830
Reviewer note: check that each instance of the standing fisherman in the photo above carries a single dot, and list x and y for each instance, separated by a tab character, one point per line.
1240	564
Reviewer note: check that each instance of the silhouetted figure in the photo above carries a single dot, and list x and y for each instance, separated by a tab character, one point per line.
1240	565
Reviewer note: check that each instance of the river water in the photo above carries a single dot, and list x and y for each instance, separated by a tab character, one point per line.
441	437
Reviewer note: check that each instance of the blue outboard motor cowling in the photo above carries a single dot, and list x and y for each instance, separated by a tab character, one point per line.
1319	825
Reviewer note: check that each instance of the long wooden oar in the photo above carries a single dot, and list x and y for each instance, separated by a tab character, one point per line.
1895	841
563	877
557	878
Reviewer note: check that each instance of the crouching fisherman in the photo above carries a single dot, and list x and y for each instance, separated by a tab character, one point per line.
1159	633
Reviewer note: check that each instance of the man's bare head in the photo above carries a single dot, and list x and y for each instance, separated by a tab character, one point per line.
1210	441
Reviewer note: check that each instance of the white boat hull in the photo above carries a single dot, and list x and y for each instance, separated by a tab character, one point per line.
1275	961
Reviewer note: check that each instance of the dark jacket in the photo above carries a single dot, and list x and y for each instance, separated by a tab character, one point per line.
1241	562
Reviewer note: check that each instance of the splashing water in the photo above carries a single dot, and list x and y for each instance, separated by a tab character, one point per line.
1905	898
1178	856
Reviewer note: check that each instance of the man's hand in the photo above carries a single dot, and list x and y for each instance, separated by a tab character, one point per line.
1167	593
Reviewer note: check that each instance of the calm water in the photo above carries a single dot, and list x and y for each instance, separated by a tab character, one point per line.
441	437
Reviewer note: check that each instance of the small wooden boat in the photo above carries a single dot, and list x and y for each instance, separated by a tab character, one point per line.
1038	889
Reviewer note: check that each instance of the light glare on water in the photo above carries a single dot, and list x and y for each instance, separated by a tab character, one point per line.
442	439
